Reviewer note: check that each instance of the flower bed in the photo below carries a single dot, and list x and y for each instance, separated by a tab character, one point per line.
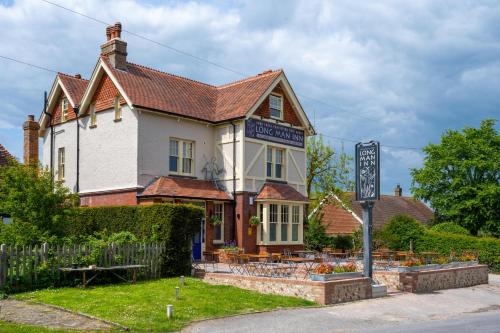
328	272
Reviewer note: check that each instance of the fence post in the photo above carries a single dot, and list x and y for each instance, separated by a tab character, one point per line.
45	252
3	264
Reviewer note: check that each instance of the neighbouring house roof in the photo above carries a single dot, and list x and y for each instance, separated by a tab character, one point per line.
175	187
156	90
339	219
5	156
75	86
278	191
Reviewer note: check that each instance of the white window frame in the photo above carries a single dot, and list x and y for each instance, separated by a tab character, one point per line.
275	222
220	214
273	162
93	116
61	163
181	157
280	97
295	218
118	108
64	109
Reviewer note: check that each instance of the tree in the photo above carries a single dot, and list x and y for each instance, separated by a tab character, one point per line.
327	171
400	231
315	236
31	198
461	178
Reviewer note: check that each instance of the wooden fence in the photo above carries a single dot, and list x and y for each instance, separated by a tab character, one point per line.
33	265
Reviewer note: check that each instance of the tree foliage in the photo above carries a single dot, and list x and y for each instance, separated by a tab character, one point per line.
461	178
34	202
400	231
315	236
327	171
451	228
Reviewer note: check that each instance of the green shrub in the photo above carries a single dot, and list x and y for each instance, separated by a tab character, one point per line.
451	228
487	248
169	223
400	231
315	236
122	237
343	242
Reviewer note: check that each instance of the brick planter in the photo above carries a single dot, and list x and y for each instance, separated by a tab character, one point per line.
329	292
431	280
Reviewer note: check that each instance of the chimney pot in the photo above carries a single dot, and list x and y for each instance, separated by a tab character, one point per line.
398	191
78	76
115	49
31	128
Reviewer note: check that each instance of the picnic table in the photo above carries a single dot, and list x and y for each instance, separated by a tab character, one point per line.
97	270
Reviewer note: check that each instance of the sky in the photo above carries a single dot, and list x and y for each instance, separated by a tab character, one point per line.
400	72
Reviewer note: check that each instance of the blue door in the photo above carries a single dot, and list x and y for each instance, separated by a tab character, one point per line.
198	239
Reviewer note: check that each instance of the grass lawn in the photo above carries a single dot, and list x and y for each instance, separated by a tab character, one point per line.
142	307
16	328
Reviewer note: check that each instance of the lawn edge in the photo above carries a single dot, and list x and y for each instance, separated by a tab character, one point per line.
56	307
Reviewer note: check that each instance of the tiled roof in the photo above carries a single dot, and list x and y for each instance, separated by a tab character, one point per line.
75	86
5	156
184	188
153	89
338	220
278	191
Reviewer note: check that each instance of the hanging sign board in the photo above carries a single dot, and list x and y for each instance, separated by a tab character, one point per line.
264	130
367	171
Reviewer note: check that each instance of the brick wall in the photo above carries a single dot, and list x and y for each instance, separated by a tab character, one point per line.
125	198
431	280
289	115
105	93
243	213
324	293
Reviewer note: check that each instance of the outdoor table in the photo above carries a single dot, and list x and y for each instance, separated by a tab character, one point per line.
303	253
97	270
259	257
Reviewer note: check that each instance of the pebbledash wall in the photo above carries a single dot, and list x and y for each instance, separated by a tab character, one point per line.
431	280
324	293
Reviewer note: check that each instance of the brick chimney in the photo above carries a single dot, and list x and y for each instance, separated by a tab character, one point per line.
115	48
398	191
31	128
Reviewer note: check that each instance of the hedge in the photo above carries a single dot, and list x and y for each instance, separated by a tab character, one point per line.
169	223
451	228
488	248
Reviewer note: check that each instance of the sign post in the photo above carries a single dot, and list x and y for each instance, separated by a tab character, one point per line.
367	192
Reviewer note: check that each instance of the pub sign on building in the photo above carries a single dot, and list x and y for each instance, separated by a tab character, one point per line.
145	136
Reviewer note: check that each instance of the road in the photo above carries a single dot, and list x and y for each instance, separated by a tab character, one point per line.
474	309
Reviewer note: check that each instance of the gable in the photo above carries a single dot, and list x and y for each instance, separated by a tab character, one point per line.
57	111
105	93
289	114
337	220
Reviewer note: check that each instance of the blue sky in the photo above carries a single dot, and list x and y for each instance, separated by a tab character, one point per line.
398	72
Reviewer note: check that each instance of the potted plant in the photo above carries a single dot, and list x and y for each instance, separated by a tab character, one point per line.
328	272
254	221
215	220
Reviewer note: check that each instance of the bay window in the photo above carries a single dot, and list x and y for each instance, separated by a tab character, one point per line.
281	223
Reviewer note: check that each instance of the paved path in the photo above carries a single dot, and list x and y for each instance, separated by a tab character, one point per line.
397	313
36	314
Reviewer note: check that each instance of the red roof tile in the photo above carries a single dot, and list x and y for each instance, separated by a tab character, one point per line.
153	89
339	221
184	188
75	86
5	156
278	191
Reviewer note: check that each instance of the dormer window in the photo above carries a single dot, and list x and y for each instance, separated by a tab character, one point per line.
276	106
118	108
64	108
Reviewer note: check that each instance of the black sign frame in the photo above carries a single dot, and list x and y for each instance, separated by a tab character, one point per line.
368	174
272	132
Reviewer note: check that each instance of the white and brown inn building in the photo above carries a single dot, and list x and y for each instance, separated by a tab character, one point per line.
134	135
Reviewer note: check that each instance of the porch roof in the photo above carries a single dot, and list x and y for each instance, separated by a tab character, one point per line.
279	191
177	187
